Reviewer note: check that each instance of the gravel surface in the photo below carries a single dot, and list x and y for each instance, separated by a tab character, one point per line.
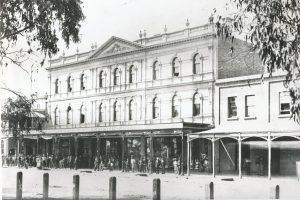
134	186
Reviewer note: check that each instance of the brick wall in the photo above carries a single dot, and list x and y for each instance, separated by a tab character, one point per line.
241	62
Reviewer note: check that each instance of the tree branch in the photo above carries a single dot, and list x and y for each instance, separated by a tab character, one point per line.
16	32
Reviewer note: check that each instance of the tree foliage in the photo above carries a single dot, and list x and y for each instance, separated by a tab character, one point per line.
17	116
39	22
272	27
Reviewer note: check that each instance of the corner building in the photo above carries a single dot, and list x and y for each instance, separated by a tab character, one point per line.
135	99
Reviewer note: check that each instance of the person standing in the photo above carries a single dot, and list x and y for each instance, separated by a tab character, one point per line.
157	165
96	164
175	166
162	165
76	162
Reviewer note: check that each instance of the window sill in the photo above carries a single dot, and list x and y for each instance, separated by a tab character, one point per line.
250	118
232	119
284	116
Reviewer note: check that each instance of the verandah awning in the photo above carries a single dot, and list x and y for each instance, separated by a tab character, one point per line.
248	130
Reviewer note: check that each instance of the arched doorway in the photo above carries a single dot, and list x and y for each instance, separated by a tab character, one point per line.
226	155
285	152
201	156
254	156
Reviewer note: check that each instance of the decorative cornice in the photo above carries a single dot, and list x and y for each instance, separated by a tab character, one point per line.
125	53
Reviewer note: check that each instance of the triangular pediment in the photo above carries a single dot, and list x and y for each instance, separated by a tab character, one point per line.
115	45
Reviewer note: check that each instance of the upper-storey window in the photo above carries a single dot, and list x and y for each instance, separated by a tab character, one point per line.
197	62
132	74
116	110
196	104
69	115
131	110
249	106
82	82
82	115
101	113
56	86
69	84
116	76
56	116
101	79
155	70
155	108
232	108
175	106
175	66
284	103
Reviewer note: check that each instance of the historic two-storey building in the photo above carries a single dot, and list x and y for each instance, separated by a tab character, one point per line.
132	99
253	134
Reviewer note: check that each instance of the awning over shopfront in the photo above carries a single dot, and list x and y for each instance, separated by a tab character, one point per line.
246	131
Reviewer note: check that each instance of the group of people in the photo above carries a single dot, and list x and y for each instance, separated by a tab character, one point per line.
142	165
202	164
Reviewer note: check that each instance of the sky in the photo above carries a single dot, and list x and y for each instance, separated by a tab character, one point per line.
121	18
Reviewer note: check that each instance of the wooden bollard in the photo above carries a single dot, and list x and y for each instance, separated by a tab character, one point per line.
76	187
209	191
19	185
156	189
112	188
275	192
45	186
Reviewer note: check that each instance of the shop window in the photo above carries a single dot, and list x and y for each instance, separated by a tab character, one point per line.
176	67
82	115
101	79
196	104
197	62
56	86
155	70
69	84
175	106
284	103
232	108
69	113
155	108
131	110
56	116
82	82
116	76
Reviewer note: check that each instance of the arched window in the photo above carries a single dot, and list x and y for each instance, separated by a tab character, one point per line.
82	82
101	113
175	106
155	108
69	84
155	70
56	116
82	115
131	74
116	76
56	86
101	79
197	62
175	66
69	115
116	111
196	104
131	110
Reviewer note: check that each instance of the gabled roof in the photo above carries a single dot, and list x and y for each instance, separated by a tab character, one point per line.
115	45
